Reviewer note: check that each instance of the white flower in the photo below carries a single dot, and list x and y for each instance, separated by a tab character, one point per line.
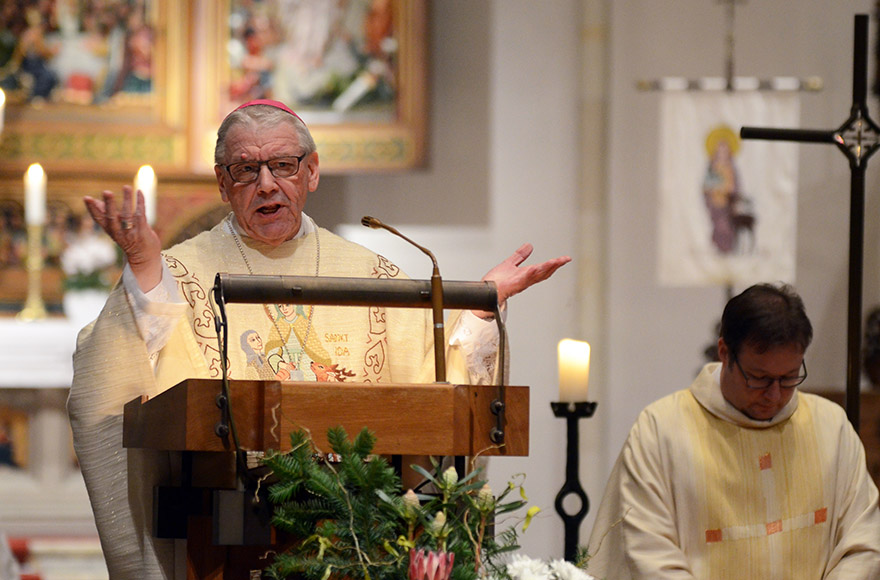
411	502
435	527
525	568
450	478
87	254
567	571
485	499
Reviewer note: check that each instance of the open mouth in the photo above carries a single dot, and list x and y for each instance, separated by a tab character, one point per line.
269	209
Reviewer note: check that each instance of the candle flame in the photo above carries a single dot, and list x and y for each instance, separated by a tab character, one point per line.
146	174
35	173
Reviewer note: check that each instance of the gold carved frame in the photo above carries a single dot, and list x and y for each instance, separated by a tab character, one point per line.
115	137
175	127
344	146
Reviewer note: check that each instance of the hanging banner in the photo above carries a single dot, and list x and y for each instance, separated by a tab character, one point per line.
728	208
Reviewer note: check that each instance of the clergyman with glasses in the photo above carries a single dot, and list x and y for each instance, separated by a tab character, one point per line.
742	475
157	327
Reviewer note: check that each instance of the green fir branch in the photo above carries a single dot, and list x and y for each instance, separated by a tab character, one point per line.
353	523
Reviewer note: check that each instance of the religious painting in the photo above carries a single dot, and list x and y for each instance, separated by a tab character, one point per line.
86	52
90	84
13	438
354	71
727	207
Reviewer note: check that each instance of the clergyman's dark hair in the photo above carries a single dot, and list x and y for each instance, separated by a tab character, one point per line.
766	316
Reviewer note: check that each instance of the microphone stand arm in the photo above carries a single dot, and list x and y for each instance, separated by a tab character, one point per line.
436	299
439	333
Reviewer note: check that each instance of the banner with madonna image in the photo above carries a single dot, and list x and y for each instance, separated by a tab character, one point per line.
727	207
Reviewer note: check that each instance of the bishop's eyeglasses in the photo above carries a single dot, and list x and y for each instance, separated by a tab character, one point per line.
249	171
788	382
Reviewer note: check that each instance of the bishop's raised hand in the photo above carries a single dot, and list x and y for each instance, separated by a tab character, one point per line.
127	225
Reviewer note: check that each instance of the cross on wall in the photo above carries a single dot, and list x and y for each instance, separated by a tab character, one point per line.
858	138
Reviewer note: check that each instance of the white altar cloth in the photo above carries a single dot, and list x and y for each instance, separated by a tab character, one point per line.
37	354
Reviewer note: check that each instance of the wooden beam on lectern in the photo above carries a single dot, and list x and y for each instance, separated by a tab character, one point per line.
416	419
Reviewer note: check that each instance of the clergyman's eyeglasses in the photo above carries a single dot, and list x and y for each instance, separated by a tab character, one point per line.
789	382
249	171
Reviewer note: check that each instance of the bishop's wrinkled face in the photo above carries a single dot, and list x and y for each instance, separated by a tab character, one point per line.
776	366
269	209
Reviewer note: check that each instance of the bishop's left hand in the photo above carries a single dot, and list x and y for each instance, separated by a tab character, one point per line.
511	278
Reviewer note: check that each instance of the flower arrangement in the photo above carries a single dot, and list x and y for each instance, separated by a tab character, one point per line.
89	260
525	568
351	519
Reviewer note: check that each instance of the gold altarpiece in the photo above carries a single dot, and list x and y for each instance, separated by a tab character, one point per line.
88	140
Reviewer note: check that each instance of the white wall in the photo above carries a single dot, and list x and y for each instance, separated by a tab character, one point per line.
534	187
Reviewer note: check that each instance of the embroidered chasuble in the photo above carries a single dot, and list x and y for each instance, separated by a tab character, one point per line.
299	342
702	491
286	342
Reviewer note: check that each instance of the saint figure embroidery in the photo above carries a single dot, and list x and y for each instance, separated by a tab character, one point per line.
730	210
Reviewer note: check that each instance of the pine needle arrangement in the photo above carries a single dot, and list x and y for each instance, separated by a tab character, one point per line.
351	520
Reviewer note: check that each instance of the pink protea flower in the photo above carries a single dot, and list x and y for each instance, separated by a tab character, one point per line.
430	565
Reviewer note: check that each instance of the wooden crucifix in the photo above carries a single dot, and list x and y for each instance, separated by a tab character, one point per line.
858	138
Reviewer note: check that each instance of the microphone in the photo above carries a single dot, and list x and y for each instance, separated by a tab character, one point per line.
436	298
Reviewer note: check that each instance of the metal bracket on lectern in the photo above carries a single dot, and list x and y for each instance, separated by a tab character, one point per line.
496	435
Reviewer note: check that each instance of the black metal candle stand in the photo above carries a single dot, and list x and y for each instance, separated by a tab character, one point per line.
573	412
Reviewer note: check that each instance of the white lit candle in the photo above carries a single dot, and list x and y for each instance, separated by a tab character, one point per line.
2	108
574	370
35	195
146	182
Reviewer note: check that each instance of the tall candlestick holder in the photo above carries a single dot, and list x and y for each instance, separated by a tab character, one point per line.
573	412
34	308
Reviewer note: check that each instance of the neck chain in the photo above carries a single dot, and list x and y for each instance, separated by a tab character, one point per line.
238	244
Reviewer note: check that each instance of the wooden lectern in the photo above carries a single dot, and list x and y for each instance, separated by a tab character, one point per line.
418	419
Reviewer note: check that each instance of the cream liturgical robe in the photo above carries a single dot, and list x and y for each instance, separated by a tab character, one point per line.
702	491
112	366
